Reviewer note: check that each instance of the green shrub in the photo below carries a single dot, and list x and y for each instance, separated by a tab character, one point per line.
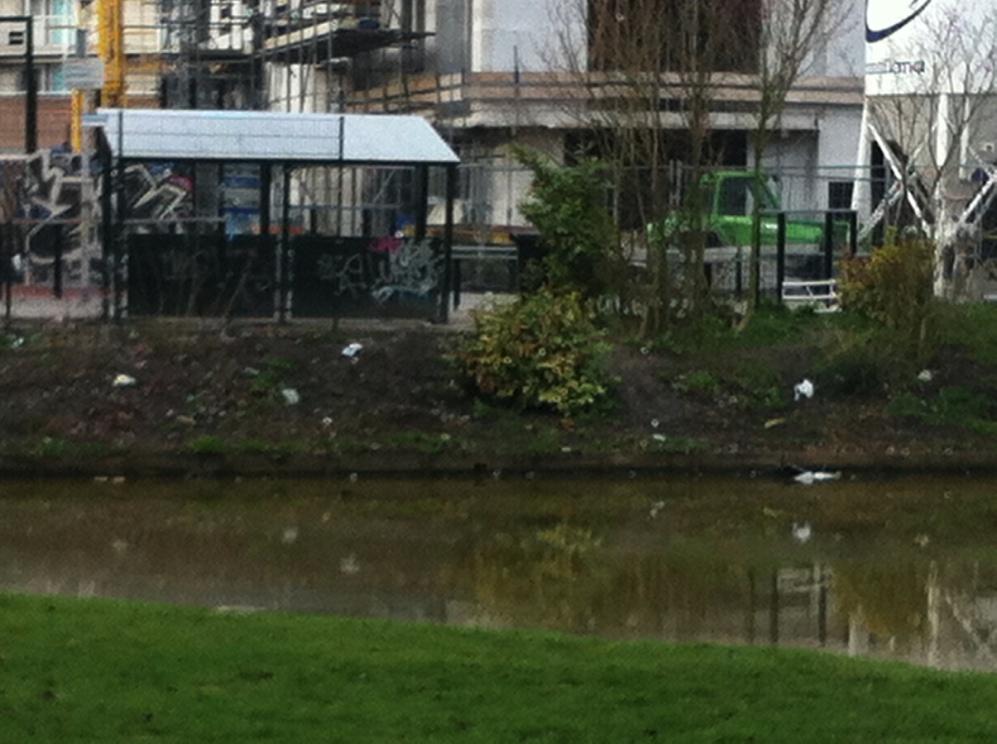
542	351
569	208
894	287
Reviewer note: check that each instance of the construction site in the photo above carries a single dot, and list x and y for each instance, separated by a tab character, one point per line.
482	74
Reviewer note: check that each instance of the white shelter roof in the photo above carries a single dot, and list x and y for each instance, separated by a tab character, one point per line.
233	136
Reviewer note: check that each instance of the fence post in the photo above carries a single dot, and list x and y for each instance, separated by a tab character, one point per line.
120	244
57	262
853	234
6	231
780	255
285	240
106	225
829	245
448	230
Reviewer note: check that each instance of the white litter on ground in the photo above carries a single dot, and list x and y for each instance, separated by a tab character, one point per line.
802	532
352	350
803	389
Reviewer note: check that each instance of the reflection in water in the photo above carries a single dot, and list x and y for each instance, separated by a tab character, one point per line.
678	560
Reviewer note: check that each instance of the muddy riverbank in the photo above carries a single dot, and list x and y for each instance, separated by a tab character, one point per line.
180	398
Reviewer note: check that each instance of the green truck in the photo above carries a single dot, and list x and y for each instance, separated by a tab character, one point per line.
730	197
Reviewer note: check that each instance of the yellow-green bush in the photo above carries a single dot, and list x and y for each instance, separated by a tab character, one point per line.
893	285
542	351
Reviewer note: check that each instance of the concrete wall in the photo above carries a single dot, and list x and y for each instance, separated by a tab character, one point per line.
501	27
793	158
448	50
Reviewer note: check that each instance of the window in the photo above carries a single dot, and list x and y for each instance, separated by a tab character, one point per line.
55	22
48	79
839	195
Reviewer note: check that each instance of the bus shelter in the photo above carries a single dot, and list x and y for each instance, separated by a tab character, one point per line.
275	214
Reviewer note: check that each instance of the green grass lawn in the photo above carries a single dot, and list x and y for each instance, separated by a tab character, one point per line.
113	672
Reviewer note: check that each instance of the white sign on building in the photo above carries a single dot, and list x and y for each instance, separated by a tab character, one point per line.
83	73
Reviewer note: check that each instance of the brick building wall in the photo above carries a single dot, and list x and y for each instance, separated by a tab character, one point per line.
53	121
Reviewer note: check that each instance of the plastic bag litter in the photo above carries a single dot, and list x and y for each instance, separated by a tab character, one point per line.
123	381
802	532
291	396
352	350
803	389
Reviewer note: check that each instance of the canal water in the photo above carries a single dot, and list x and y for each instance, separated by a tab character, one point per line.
900	569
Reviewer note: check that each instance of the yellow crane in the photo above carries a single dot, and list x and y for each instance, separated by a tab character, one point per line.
111	52
111	49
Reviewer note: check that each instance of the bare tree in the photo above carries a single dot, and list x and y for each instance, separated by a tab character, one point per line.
640	79
794	35
941	101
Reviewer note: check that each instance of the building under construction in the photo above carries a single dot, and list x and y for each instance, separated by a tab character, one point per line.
481	71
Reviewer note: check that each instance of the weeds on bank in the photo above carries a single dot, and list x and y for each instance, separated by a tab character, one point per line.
272	375
422	442
669	445
953	406
212	445
57	448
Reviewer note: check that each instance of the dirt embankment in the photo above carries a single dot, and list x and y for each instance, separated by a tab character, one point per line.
179	397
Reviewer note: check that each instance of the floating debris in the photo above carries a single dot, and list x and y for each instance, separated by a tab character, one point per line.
123	381
809	477
926	375
291	396
772	423
922	541
289	536
656	508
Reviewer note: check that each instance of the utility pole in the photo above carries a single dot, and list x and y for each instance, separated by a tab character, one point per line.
31	89
30	84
